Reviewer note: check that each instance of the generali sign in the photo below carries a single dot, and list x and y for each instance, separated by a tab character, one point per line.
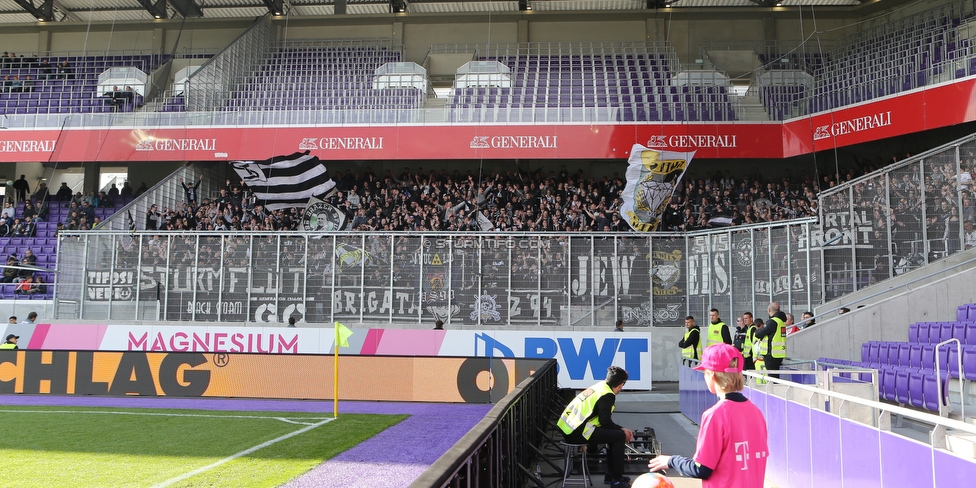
916	111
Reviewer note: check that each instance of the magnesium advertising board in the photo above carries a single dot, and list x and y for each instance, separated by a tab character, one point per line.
583	357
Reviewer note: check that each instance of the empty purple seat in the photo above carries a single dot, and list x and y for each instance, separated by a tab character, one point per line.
962	313
928	357
886	384
902	392
866	351
969	362
959	331
971	333
913	332
916	380
915	356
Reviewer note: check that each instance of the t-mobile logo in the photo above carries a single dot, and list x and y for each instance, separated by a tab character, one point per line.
742	454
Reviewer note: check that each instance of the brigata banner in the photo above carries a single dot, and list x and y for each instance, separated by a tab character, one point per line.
224	375
583	357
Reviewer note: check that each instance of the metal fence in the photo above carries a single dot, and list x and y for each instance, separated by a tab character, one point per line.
474	280
897	219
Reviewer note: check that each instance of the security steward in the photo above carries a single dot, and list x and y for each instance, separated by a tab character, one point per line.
587	420
772	340
11	342
717	331
745	335
690	344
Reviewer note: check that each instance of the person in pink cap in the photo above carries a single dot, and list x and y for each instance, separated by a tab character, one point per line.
732	441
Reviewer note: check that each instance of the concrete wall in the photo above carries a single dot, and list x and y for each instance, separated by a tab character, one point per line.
886	319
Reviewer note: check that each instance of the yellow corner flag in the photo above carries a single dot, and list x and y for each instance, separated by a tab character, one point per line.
342	334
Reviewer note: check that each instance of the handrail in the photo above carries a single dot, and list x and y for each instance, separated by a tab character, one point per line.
938	376
924	417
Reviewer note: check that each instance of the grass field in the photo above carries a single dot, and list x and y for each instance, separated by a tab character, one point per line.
111	447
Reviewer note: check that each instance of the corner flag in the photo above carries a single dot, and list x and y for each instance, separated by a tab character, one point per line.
342	334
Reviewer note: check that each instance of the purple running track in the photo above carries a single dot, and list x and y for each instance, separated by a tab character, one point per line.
392	459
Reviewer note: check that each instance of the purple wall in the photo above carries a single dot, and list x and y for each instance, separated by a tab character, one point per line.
812	448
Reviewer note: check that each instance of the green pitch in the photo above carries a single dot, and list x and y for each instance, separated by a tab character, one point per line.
111	447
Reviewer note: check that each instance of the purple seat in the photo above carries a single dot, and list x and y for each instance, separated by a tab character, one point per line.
904	354
913	332
916	380
894	353
902	392
875	355
930	393
971	333
866	351
962	313
959	331
886	384
915	356
928	357
969	362
883	353
952	358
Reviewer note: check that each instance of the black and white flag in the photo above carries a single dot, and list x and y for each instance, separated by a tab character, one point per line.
285	181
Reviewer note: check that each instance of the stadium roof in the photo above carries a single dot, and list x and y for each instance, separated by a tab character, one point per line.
84	11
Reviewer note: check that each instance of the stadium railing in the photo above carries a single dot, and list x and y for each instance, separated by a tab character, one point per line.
498	451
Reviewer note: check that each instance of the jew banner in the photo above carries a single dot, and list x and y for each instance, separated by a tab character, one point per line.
652	177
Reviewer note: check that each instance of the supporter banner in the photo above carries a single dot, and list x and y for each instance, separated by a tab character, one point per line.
405	379
652	177
583	356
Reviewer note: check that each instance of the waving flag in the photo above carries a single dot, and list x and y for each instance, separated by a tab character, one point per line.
652	177
285	181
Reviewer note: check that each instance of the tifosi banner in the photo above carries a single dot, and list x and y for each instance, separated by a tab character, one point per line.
652	177
384	378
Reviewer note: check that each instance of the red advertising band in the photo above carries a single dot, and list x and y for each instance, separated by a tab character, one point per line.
923	109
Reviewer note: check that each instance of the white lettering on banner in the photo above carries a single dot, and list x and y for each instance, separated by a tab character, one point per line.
341	143
850	126
153	144
692	141
181	341
620	271
839	229
28	146
514	142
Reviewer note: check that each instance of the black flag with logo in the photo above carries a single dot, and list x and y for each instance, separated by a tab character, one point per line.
285	181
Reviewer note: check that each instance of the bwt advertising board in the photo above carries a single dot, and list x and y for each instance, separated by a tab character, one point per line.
583	357
293	376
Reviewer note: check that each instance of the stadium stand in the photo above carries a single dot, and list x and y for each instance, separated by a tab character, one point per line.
56	87
591	82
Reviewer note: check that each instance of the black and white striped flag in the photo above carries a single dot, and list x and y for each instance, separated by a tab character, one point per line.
285	181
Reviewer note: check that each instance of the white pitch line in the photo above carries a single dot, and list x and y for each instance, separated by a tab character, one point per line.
242	453
160	414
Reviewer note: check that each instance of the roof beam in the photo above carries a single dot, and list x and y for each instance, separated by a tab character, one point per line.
43	12
187	8
156	8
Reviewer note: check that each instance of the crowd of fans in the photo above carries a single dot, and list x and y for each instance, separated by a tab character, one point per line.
504	201
539	202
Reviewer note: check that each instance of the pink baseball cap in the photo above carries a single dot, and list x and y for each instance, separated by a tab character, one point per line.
719	357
